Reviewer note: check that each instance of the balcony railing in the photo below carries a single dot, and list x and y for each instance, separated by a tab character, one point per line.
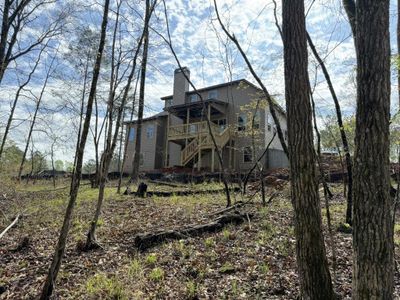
192	130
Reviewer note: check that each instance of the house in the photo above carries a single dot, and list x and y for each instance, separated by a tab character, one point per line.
180	136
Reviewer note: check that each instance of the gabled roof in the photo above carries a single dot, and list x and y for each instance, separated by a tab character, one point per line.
234	82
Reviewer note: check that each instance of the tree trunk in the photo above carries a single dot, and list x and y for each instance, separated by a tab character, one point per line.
398	52
315	279
373	206
111	139
136	158
76	178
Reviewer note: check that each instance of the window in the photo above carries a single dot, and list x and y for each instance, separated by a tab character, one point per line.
131	134
221	123
241	122
193	98
213	94
247	154
150	131
269	122
257	118
168	102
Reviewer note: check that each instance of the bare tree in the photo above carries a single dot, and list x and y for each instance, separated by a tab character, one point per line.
17	17
37	106
16	98
315	279
76	178
136	157
373	207
111	141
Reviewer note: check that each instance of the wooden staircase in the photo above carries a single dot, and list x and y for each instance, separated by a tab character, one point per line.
204	141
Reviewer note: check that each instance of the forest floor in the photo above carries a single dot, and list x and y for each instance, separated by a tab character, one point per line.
254	260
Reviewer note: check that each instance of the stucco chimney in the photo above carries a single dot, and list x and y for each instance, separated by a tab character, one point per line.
181	85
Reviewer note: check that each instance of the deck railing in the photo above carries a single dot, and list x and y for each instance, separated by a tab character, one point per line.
192	130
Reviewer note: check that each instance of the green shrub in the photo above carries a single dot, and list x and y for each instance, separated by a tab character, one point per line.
157	274
151	259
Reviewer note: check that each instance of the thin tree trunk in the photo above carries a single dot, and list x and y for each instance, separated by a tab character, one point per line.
136	158
398	52
315	279
75	182
81	111
111	141
127	137
349	164
52	166
373	207
38	102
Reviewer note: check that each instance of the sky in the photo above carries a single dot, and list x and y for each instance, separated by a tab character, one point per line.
200	45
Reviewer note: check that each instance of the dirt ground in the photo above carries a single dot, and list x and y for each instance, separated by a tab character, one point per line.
254	260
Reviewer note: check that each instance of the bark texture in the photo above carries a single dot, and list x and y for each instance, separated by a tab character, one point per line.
372	214
315	279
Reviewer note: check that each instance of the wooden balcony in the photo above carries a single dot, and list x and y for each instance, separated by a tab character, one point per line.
192	130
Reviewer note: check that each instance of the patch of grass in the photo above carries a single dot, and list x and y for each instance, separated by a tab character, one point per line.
100	222
227	268
191	289
264	268
157	274
397	228
135	268
100	286
226	234
151	259
209	242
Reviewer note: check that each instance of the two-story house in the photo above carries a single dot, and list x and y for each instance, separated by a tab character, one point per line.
180	136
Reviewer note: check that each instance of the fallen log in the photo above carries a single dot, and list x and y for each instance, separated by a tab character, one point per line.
9	226
181	193
147	240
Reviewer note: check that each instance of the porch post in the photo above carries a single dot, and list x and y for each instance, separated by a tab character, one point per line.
187	124
167	144
199	160
212	159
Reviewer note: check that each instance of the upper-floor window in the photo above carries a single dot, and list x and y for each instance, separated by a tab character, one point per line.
257	120
150	131
193	98
213	94
242	122
131	136
247	154
270	121
168	102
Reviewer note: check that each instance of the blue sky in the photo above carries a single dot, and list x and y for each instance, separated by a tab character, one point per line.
200	45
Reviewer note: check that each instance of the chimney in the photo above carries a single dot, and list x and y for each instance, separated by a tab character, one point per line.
181	86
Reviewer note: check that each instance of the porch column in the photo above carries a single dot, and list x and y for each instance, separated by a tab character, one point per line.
212	159
167	144
187	125
199	160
